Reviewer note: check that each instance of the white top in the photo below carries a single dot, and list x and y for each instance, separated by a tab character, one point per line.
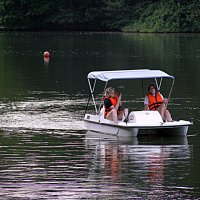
128	74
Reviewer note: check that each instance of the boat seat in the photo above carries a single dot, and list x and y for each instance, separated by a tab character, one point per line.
145	117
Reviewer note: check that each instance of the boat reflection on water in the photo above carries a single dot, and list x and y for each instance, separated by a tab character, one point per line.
92	136
143	164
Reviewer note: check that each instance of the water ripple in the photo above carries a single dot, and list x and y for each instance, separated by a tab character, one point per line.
72	165
45	114
46	154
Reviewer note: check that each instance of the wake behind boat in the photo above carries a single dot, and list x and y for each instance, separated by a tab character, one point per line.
139	122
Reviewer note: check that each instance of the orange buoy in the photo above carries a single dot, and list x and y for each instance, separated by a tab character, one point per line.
46	54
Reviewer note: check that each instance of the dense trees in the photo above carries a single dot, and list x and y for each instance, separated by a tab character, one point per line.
168	16
101	15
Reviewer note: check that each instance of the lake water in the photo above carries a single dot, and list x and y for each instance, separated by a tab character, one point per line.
45	150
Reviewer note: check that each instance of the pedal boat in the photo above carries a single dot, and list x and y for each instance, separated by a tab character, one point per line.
139	122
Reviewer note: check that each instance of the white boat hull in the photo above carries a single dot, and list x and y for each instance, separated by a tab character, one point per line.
111	129
140	123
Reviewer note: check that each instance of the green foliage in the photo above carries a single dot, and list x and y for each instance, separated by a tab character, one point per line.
167	16
101	15
67	15
25	14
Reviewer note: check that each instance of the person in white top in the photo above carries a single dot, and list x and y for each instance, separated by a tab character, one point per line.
155	101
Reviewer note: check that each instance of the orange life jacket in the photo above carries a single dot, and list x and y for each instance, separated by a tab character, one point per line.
154	101
114	101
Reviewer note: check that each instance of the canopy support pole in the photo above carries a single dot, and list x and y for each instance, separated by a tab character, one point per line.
92	93
88	97
158	85
170	92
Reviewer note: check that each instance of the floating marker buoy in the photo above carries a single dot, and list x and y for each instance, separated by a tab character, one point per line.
46	54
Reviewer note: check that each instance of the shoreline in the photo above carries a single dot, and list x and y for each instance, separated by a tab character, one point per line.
84	31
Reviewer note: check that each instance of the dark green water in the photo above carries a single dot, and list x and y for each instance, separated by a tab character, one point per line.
45	150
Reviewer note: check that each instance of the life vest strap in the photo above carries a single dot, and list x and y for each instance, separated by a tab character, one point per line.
154	106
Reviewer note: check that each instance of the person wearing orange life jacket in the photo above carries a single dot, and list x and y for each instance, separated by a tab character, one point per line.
112	103
155	101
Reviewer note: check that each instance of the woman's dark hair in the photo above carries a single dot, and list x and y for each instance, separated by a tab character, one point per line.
152	84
